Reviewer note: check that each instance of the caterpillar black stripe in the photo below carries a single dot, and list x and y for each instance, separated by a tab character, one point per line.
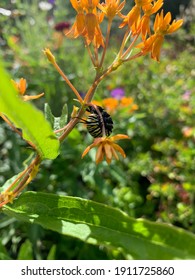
99	123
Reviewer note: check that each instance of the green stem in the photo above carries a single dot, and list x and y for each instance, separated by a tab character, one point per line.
90	53
128	50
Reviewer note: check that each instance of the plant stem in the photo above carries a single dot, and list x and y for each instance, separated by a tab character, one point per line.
106	44
25	177
90	53
67	81
133	57
16	130
125	39
69	127
130	47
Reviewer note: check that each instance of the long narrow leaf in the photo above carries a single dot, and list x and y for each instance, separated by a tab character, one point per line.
26	117
99	224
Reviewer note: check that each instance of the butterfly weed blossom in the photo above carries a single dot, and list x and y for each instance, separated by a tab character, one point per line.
107	147
143	29
162	27
21	89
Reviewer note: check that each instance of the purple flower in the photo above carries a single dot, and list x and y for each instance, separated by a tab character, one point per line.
186	95
51	2
62	25
118	93
82	94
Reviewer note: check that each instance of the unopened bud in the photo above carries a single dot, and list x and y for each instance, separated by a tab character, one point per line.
49	55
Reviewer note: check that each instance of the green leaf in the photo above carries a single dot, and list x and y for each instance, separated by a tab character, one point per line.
99	224
26	251
56	122
26	117
64	116
3	253
48	114
8	183
52	253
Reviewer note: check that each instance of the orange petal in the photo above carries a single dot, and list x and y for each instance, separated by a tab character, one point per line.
99	154
22	86
157	6
157	22
91	23
119	149
31	97
108	151
157	47
134	15
118	137
175	26
95	143
80	23
72	33
86	151
167	19
145	26
114	153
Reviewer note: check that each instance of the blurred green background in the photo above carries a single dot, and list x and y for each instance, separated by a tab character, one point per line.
156	180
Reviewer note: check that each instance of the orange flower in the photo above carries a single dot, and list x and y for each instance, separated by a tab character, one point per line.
92	26
106	147
90	5
149	10
96	102
87	22
110	104
162	24
20	86
162	27
111	8
133	17
126	101
79	24
188	131
134	107
21	89
127	104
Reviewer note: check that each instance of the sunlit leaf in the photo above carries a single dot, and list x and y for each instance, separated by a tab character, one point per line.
29	119
99	224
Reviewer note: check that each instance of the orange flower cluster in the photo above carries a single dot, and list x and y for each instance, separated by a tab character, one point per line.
162	26
138	22
87	23
21	89
112	105
90	13
139	16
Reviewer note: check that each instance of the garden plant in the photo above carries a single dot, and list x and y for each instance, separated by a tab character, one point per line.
84	134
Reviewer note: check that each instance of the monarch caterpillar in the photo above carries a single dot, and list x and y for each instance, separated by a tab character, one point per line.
99	123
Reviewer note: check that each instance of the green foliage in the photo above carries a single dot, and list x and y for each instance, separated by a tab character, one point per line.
30	120
26	251
101	225
154	182
56	122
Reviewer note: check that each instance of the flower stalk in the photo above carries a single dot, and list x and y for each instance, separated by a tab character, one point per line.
87	25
